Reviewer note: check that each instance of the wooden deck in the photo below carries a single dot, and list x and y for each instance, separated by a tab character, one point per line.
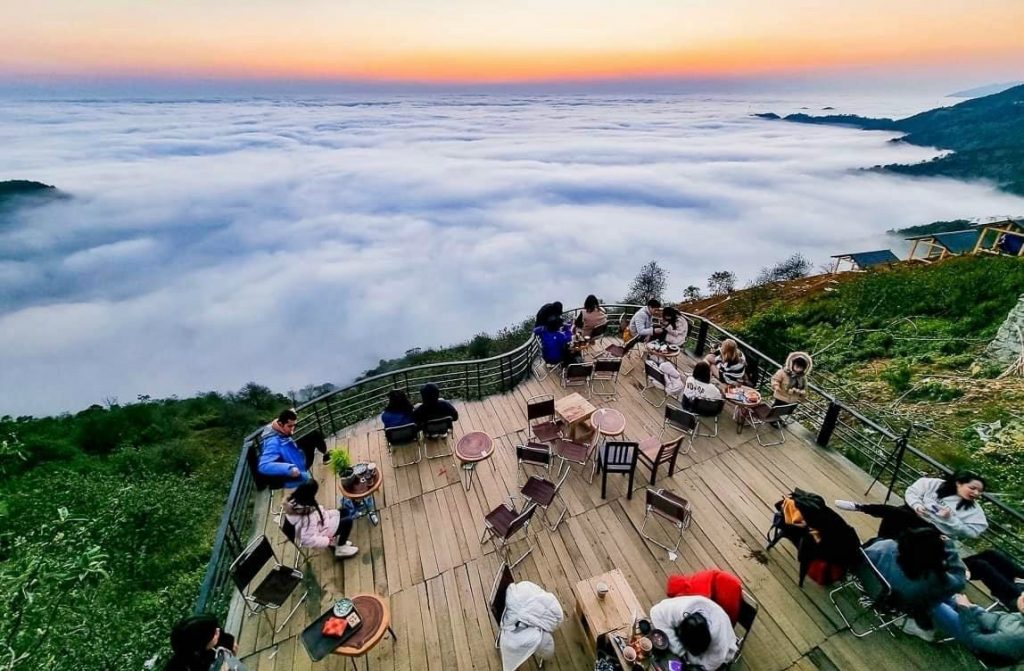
426	558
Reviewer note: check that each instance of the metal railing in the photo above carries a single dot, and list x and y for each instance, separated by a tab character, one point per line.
837	422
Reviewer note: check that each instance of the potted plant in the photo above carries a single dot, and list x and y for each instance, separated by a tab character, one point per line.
341	464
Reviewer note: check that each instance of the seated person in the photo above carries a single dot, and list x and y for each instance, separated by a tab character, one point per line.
923	569
948	505
432	406
642	324
720	586
730	362
593	315
698	630
675	327
398	411
316	527
198	644
547	311
789	384
996	637
699	385
556	343
280	457
1003	577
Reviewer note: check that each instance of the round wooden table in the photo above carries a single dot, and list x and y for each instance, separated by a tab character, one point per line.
609	421
738	395
667	354
376	617
362	494
471	449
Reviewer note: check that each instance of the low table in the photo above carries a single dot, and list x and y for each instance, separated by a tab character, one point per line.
609	421
361	493
610	614
376	617
471	449
573	410
738	395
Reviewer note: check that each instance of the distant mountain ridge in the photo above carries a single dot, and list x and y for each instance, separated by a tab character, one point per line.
986	135
985	90
14	192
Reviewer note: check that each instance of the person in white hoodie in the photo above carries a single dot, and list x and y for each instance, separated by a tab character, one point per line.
950	505
698	630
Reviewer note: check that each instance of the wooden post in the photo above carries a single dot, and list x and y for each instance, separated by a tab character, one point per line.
828	425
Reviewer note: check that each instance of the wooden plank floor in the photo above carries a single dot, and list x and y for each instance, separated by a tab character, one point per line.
426	559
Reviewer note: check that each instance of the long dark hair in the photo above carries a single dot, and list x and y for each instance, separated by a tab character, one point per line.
398	402
670	315
702	372
591	303
189	640
305	495
948	487
920	552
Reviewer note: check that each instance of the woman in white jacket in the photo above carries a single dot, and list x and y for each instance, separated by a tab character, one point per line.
698	630
675	326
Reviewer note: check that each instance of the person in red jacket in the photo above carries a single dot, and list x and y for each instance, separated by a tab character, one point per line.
722	587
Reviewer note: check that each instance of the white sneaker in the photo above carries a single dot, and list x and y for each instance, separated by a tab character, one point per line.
345	551
911	627
846	505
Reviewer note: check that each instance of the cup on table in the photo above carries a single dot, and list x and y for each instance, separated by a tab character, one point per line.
646	645
629	654
601	589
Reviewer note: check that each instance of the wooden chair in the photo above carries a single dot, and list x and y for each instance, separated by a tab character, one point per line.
543	425
652	453
404	434
617	457
654	379
501	524
276	584
578	375
606	370
439	428
871	592
774	416
676	510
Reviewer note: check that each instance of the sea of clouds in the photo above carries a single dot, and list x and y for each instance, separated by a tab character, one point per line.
297	241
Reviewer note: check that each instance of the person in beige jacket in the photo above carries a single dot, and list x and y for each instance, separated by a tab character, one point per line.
789	384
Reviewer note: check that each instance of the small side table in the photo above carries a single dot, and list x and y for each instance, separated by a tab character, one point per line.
609	421
362	494
376	622
471	449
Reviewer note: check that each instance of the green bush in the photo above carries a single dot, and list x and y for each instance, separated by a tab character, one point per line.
897	376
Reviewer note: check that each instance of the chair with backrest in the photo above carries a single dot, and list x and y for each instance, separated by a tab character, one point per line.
578	375
496	603
532	454
542	368
708	409
274	582
404	434
870	591
748	613
652	453
502	524
439	428
291	533
683	421
752	371
543	493
670	507
606	371
619	351
617	457
654	379
573	452
774	419
543	425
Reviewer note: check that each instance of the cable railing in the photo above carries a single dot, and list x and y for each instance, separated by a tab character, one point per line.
837	424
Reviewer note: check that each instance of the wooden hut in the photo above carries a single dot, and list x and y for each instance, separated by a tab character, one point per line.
1001	237
863	260
937	246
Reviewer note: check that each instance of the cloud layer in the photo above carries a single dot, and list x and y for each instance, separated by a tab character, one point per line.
212	242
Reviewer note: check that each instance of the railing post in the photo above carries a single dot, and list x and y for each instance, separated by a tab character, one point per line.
828	425
702	338
319	423
479	393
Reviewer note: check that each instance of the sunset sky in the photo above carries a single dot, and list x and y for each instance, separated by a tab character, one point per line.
471	41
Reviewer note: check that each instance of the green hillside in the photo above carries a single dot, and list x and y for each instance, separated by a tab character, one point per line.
986	135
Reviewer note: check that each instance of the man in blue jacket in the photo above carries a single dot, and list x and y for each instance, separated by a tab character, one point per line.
280	457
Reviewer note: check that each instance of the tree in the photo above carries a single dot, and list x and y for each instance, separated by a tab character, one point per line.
795	267
721	282
649	283
691	293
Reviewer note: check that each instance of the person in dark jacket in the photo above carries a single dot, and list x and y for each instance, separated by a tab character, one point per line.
999	573
547	311
198	644
556	342
433	406
398	411
996	637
